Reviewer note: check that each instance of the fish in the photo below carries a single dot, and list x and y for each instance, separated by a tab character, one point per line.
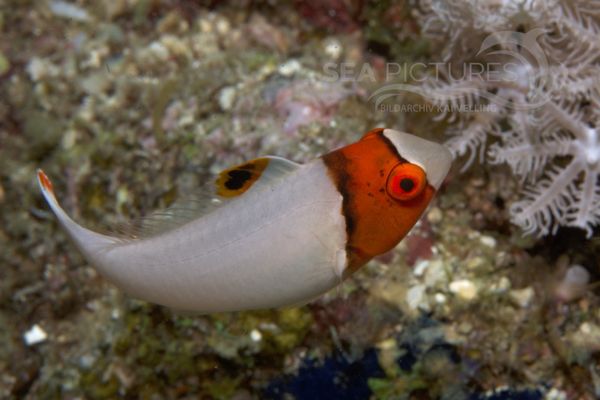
272	233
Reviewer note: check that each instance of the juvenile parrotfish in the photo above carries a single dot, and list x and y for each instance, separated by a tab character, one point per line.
282	233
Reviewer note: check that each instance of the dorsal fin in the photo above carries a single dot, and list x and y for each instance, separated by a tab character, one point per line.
230	184
237	180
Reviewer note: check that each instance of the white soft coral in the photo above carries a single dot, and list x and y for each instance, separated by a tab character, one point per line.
560	170
537	111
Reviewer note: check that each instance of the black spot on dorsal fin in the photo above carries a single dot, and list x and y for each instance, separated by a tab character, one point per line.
237	180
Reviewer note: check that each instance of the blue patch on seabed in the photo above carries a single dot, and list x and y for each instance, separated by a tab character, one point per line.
510	395
335	378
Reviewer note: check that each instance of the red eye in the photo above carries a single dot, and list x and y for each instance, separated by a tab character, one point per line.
406	181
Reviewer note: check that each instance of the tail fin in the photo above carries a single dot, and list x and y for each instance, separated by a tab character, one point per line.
90	243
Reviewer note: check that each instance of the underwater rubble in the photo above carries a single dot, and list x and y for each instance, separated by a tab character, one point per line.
130	104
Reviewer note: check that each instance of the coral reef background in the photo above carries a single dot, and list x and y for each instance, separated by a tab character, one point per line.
129	104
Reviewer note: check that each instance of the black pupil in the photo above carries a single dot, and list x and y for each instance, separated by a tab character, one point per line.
407	184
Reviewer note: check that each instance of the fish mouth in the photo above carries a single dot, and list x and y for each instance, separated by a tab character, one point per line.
434	158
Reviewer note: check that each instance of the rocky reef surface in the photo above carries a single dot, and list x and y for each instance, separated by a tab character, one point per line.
129	104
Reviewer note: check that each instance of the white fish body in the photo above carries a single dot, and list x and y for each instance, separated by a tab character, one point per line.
257	252
286	233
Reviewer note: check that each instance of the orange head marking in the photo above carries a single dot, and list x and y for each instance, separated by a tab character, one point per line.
383	193
372	133
45	181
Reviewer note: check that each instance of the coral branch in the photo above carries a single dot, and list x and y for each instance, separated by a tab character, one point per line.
546	90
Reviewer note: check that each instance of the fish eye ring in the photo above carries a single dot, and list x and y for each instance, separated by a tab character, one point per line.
406	181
